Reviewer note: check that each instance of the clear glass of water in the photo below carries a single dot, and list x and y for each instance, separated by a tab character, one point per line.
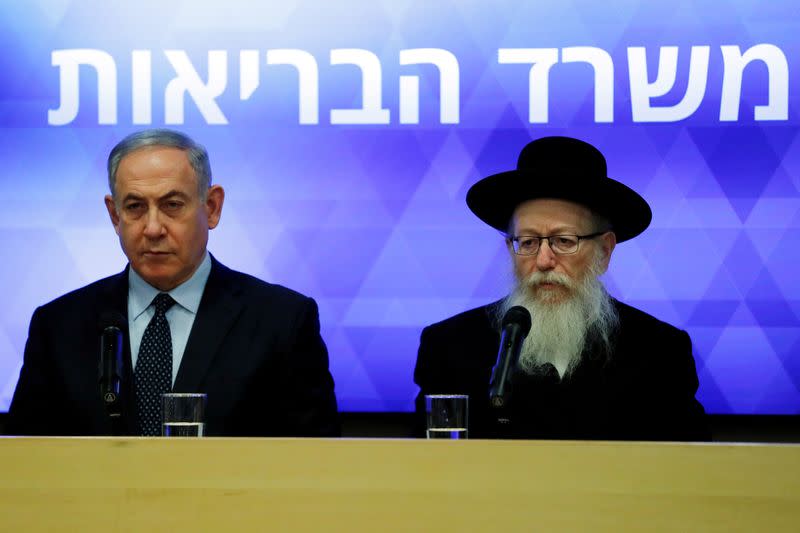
447	415
183	414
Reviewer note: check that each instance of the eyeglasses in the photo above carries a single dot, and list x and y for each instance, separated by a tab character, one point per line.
559	244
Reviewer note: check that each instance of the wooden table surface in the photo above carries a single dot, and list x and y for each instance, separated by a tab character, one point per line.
157	484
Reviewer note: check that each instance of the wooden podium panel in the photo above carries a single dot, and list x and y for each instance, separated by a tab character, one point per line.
155	484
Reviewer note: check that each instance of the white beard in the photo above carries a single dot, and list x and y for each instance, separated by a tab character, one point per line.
560	330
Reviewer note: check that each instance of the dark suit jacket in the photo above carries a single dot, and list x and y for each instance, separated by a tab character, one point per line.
644	391
254	348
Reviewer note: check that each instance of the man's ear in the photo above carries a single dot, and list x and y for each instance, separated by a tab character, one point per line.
608	241
112	212
214	200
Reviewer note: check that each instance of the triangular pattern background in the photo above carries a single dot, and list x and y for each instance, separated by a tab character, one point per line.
370	220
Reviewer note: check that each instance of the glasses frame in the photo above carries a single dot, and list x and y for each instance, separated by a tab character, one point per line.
539	239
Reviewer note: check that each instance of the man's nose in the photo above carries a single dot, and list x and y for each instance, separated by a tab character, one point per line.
153	227
545	258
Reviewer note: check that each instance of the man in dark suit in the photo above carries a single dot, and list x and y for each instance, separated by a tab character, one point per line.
190	324
591	367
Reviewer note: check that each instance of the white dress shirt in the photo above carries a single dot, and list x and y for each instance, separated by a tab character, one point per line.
180	316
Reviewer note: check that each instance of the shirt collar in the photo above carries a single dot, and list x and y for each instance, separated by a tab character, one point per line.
187	294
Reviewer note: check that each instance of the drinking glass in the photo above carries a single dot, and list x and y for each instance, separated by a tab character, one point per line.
183	414
447	416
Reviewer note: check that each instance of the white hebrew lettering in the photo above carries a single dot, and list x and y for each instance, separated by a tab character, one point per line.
371	111
307	80
188	81
642	91
69	62
603	67
142	86
248	73
447	64
540	59
651	101
777	107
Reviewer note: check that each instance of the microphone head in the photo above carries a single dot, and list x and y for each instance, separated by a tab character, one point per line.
111	319
520	316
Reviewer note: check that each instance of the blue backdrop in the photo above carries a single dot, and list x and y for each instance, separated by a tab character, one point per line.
347	133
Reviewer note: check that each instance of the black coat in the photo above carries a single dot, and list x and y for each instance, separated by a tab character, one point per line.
644	391
254	348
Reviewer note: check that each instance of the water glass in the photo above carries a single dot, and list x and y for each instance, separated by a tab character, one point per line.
447	416
183	414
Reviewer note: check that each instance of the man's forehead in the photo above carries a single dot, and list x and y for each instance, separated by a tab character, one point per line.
155	156
551	212
150	165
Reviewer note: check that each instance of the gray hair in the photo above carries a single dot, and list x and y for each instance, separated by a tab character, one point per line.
196	153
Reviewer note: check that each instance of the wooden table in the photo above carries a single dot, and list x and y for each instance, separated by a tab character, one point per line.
155	484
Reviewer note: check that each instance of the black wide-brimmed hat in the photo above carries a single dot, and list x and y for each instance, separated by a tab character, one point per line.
562	168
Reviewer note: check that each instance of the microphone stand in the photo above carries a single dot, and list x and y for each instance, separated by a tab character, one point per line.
515	327
114	415
111	376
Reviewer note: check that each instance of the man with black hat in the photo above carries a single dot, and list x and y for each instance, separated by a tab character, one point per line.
591	367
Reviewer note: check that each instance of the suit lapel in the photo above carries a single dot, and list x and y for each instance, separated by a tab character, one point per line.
218	310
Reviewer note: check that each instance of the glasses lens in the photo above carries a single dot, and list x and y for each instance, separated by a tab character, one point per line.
526	245
564	244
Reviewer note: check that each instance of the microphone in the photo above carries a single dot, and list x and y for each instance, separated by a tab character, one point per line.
515	327
110	366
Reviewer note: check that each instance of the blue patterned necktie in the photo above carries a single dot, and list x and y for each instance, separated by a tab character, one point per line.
153	374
